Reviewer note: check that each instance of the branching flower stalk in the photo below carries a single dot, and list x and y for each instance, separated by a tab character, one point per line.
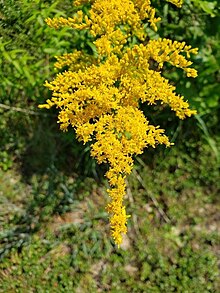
100	94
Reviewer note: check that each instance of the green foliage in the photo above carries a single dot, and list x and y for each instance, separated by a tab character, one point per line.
26	47
58	240
209	7
24	64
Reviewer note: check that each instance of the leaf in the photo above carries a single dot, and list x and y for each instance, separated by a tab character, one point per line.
207	7
17	66
208	137
7	56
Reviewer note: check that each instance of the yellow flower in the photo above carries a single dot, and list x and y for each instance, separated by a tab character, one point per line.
100	95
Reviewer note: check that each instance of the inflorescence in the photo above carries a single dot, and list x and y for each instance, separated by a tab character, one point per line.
100	94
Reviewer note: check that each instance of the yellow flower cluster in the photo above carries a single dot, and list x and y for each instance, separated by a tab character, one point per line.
99	95
178	3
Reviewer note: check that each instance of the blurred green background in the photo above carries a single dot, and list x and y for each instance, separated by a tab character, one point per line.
54	233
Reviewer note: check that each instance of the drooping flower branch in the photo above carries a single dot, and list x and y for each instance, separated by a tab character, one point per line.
100	94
